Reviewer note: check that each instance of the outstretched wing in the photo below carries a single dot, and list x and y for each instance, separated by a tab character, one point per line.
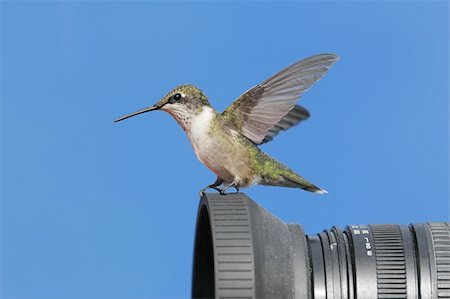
296	115
259	109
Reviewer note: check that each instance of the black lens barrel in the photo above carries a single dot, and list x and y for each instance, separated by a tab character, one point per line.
243	251
382	261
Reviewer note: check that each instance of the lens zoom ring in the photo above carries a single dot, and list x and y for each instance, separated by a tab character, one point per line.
234	257
441	244
390	261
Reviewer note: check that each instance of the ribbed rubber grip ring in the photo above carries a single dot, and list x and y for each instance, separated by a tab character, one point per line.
390	261
234	265
440	234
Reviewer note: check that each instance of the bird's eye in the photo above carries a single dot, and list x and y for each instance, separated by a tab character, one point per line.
177	97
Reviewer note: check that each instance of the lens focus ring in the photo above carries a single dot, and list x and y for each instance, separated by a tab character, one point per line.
390	261
441	242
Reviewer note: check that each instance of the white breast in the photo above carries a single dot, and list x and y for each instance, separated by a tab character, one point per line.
199	130
213	150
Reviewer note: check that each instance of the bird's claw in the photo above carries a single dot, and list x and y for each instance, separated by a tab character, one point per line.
214	186
222	191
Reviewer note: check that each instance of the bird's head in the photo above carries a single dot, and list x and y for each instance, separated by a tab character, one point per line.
183	102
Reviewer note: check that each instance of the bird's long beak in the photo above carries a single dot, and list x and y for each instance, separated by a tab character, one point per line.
151	108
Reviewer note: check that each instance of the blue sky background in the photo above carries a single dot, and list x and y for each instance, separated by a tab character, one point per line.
93	209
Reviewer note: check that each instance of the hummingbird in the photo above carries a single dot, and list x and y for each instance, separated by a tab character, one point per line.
227	143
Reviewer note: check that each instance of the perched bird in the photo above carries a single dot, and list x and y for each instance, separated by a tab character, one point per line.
227	142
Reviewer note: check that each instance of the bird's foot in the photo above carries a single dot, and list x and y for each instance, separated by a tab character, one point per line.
214	186
222	191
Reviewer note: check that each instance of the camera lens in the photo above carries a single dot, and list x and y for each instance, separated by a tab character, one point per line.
242	251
